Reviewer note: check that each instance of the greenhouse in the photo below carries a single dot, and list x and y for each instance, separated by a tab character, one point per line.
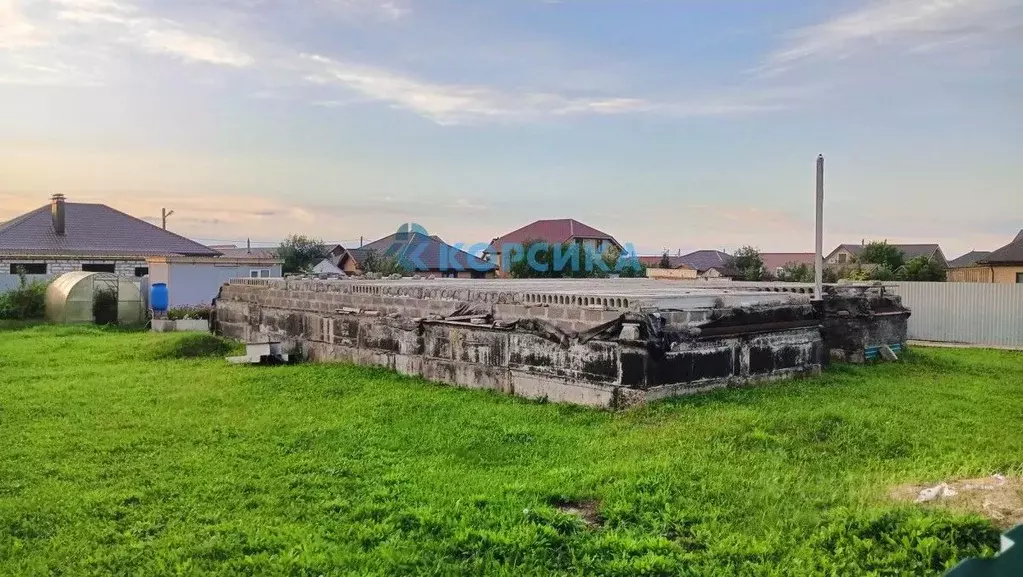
94	297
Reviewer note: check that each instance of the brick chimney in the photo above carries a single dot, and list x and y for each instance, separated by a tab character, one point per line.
57	211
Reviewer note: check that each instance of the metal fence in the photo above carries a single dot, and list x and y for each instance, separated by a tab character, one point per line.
12	281
959	312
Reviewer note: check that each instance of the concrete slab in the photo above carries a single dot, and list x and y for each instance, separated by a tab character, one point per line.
620	294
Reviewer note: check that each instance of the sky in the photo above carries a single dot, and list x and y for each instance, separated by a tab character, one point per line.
670	124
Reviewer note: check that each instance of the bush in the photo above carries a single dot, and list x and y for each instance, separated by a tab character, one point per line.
104	307
796	272
27	302
197	312
922	268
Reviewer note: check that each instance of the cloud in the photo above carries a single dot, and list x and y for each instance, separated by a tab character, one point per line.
467	103
376	9
908	25
72	42
83	42
15	30
191	46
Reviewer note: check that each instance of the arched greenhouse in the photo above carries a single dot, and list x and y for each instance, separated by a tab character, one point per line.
94	297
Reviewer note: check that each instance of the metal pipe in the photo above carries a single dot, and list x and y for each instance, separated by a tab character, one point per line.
818	265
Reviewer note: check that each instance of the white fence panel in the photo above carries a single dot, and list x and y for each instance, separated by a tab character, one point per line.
960	312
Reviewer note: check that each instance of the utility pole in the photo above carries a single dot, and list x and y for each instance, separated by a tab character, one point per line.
818	265
165	213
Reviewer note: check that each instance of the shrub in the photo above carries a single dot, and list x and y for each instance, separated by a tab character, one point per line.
27	302
796	272
104	307
922	268
201	312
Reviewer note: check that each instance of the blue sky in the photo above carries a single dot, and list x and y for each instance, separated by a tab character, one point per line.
678	124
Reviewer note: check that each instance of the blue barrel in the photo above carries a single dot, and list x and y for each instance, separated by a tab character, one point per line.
159	297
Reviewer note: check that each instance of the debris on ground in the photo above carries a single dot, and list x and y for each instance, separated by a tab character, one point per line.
997	497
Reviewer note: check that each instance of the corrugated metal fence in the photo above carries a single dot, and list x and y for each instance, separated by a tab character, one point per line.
960	312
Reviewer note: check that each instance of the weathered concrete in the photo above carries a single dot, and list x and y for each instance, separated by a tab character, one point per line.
608	343
860	320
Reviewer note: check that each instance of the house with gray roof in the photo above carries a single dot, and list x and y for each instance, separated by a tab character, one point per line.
1004	266
710	264
969	259
849	253
70	236
420	254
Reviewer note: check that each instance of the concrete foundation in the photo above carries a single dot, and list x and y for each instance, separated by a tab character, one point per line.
860	321
609	343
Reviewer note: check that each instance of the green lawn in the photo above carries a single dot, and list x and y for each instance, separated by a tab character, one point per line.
118	458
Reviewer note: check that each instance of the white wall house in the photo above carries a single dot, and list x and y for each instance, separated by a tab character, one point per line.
197	280
63	237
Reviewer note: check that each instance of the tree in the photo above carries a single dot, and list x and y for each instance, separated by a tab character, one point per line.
883	254
796	272
748	263
857	273
829	275
571	260
385	264
665	261
922	268
300	253
882	273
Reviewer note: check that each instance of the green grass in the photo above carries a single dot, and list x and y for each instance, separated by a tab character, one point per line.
118	457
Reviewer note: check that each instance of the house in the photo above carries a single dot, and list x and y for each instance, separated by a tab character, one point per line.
350	261
676	269
554	232
262	261
420	254
775	262
710	264
326	267
850	253
196	280
1004	265
69	236
969	259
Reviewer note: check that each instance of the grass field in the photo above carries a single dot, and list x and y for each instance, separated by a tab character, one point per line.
117	456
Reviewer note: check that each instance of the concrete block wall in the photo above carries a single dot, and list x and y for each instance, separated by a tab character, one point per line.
607	373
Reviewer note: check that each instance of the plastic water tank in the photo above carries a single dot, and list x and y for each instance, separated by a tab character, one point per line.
159	297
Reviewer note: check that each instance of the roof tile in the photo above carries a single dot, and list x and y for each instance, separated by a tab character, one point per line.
93	229
553	231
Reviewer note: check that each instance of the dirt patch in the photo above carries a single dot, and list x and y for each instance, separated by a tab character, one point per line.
585	510
998	498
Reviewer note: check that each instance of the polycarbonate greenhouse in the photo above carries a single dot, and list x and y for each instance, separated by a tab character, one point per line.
94	297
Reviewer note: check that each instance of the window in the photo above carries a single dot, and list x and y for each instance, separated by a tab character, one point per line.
141	271
98	267
29	268
1019	278
842	257
259	273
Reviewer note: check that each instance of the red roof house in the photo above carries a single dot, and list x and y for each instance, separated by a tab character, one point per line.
552	231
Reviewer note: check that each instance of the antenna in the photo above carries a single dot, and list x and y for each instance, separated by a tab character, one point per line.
165	213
